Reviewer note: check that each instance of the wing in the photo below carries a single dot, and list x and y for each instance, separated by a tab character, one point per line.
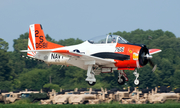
84	57
153	51
77	56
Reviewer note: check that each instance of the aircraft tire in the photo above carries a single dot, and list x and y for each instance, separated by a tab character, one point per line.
91	83
123	80
136	82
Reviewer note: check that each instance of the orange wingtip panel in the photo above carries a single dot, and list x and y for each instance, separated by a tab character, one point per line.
153	51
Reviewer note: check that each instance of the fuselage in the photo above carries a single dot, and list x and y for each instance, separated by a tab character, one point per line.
90	49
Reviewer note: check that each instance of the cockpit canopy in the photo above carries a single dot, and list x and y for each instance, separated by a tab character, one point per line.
107	39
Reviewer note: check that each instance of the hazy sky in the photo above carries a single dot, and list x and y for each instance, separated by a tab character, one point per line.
84	19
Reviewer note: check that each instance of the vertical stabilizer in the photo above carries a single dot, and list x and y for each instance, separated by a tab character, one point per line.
37	40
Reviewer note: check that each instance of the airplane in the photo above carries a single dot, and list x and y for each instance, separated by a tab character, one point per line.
103	54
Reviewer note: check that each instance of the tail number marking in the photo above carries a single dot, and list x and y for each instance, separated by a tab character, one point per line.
41	43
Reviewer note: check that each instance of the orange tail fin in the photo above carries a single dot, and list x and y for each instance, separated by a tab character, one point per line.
37	40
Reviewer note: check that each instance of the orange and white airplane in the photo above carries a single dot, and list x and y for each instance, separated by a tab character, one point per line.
98	55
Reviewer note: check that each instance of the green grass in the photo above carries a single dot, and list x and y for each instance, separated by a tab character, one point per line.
93	106
172	102
25	103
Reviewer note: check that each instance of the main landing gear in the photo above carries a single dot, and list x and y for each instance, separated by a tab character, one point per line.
122	77
91	80
136	81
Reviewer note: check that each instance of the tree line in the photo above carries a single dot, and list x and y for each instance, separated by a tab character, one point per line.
21	73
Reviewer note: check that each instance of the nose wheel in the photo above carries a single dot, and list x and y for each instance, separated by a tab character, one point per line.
136	81
91	83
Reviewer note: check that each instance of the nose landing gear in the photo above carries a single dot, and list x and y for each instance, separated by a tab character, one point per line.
136	81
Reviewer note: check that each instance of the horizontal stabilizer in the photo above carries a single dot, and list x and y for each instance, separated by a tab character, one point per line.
35	50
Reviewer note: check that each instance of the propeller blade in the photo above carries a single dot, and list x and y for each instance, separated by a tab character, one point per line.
152	65
154	68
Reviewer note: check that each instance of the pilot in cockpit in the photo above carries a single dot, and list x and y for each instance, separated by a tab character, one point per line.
113	40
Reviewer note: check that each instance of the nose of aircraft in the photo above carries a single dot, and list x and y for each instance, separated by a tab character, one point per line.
143	53
145	57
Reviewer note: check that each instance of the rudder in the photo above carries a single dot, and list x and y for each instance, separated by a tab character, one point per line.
37	40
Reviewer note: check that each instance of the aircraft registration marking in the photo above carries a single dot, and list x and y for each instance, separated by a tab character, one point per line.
119	49
41	43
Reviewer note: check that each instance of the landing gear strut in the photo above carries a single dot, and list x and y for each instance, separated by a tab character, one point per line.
90	76
136	81
121	78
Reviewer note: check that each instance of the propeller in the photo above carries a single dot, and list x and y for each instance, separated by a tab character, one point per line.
145	57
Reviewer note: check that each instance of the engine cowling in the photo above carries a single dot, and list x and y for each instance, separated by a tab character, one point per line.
142	55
